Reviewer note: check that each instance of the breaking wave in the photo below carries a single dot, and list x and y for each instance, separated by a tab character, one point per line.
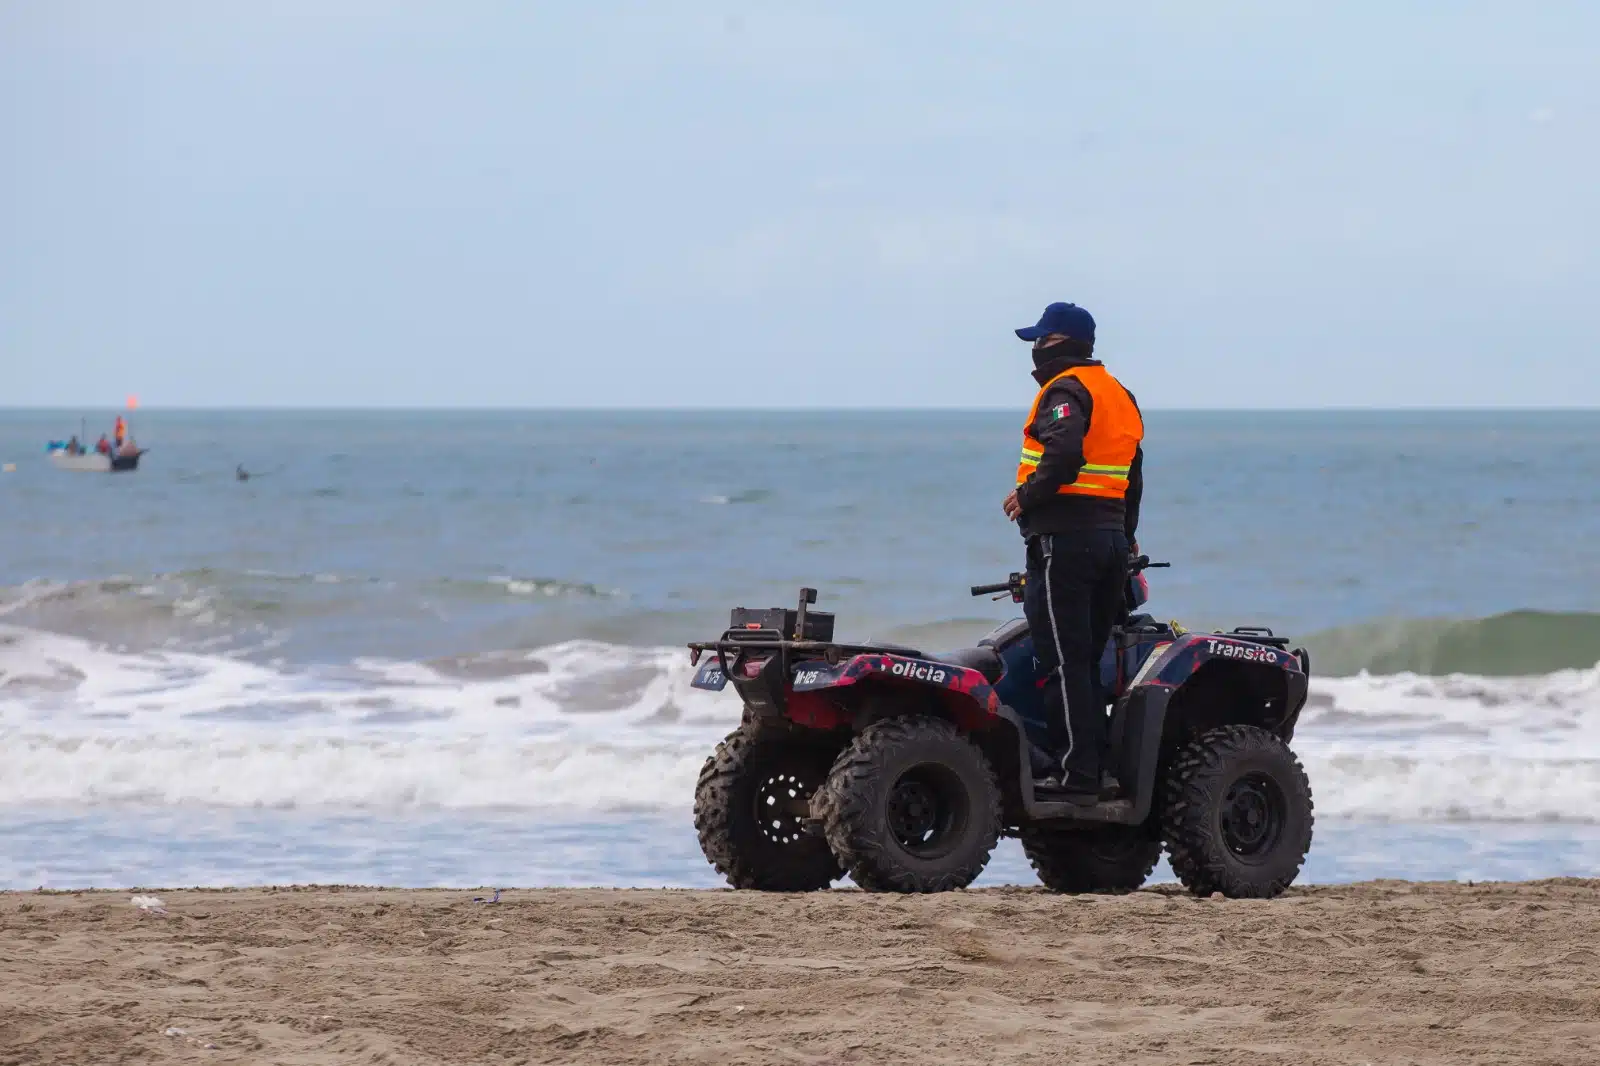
578	725
1461	748
1518	643
595	727
255	610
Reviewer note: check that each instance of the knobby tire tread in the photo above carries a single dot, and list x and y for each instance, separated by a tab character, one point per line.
714	818
1064	862
1192	798
859	841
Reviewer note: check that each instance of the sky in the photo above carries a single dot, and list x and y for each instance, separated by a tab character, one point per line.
797	204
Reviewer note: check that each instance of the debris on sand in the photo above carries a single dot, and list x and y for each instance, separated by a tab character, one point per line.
149	904
183	1034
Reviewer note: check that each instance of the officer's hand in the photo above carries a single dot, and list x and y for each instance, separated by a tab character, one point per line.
1013	508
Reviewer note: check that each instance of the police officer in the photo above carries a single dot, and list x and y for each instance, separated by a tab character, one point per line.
1079	485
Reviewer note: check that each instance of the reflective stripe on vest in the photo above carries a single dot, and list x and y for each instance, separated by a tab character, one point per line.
1109	444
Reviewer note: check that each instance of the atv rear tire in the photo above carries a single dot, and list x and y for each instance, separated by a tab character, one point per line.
911	806
1237	814
1110	859
749	804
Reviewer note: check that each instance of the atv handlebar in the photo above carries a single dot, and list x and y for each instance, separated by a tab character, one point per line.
1012	587
1014	584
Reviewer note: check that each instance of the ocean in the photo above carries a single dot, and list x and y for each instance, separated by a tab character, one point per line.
425	648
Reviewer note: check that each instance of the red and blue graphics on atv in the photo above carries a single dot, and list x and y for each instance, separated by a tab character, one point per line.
1019	687
1150	656
1177	660
970	698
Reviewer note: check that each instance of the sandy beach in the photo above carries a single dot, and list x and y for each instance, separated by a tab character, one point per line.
1384	972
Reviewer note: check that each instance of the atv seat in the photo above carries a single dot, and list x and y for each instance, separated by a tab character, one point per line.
983	659
891	648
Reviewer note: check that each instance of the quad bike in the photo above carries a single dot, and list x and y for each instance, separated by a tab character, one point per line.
903	769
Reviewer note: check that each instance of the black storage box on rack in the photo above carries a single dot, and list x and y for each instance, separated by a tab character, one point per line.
782	620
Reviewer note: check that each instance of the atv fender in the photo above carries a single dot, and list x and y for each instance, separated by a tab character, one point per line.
1275	675
1143	719
1173	663
963	693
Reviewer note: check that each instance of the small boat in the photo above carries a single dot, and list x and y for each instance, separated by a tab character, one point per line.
96	462
120	457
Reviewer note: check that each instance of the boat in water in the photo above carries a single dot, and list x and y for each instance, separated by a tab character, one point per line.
115	454
96	462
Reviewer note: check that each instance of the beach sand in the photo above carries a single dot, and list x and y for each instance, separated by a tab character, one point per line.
1385	972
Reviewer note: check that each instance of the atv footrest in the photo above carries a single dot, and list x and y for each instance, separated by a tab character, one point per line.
1119	811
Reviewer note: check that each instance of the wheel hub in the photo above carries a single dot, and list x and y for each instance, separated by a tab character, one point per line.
783	802
1252	816
913	812
926	811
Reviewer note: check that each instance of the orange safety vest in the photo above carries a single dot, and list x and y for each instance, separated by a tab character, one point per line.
1109	444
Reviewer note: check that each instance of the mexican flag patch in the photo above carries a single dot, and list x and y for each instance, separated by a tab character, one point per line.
1060	411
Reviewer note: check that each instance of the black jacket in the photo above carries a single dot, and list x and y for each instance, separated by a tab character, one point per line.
1043	509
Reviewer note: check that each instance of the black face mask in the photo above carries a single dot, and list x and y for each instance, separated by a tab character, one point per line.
1067	349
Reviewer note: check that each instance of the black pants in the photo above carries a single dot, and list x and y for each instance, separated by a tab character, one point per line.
1072	599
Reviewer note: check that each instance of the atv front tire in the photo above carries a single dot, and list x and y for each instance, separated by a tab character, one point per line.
911	806
752	796
1110	859
1237	815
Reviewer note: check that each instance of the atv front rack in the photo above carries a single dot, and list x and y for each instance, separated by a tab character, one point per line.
1255	635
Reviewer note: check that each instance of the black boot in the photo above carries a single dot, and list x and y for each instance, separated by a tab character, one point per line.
1063	785
1083	791
1041	763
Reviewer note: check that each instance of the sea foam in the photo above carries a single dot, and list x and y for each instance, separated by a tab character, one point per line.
585	726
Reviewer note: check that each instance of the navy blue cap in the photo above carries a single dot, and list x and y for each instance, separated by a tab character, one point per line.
1069	320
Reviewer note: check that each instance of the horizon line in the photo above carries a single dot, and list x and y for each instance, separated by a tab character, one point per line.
762	409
